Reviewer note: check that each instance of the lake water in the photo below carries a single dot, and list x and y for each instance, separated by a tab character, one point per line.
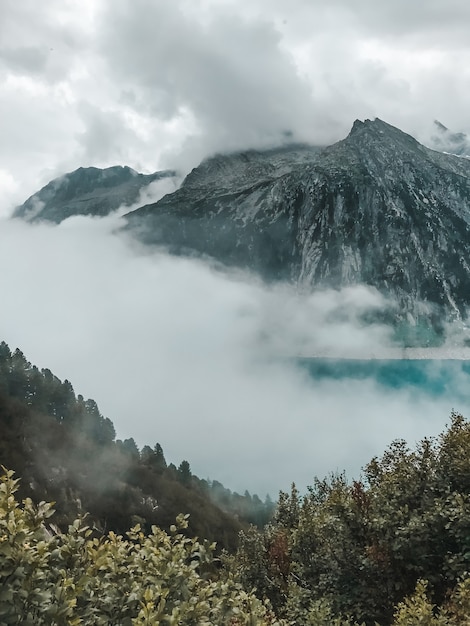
434	377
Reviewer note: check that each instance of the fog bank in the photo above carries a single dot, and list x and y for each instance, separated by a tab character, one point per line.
177	352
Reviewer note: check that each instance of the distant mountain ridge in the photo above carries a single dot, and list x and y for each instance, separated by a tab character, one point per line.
376	208
87	191
445	140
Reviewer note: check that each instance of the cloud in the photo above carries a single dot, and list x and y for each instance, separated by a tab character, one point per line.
435	23
46	42
155	191
106	135
230	72
156	85
247	74
32	138
201	361
164	345
441	24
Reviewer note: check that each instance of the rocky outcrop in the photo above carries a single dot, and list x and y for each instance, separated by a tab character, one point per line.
86	191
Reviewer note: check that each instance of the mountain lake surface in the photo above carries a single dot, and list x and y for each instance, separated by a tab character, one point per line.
434	377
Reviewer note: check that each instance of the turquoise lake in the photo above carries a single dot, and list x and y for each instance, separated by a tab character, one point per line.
439	378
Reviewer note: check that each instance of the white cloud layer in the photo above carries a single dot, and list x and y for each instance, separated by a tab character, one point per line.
171	350
176	352
155	84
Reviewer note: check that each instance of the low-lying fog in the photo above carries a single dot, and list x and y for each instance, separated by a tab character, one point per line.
176	352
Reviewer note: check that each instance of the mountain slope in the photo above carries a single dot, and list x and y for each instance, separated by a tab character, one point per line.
376	208
86	191
235	208
64	450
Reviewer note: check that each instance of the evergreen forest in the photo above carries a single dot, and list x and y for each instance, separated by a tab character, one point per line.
94	530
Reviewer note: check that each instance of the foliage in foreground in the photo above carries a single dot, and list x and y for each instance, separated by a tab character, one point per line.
392	548
55	579
74	578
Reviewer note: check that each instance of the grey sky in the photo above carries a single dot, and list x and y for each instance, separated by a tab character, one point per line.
155	84
171	350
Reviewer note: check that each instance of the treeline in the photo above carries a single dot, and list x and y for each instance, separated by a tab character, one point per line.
66	451
393	547
391	550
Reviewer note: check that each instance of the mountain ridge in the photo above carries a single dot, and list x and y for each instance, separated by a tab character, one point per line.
87	191
376	208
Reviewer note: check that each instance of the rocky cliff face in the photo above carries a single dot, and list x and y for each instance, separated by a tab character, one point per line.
376	208
86	191
238	209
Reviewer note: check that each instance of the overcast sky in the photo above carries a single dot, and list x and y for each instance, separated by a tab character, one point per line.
172	350
156	83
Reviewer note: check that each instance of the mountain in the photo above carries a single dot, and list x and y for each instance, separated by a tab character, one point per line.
376	208
445	140
64	450
234	208
87	191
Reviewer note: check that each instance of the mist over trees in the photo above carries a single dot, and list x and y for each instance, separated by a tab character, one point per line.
391	548
65	450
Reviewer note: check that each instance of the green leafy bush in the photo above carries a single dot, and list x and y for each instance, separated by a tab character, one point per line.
52	578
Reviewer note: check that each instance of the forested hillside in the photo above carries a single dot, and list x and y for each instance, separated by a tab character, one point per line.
390	548
65	450
360	549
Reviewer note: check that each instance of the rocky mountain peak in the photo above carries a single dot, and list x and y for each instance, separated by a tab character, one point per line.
377	208
240	170
86	191
445	140
377	134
